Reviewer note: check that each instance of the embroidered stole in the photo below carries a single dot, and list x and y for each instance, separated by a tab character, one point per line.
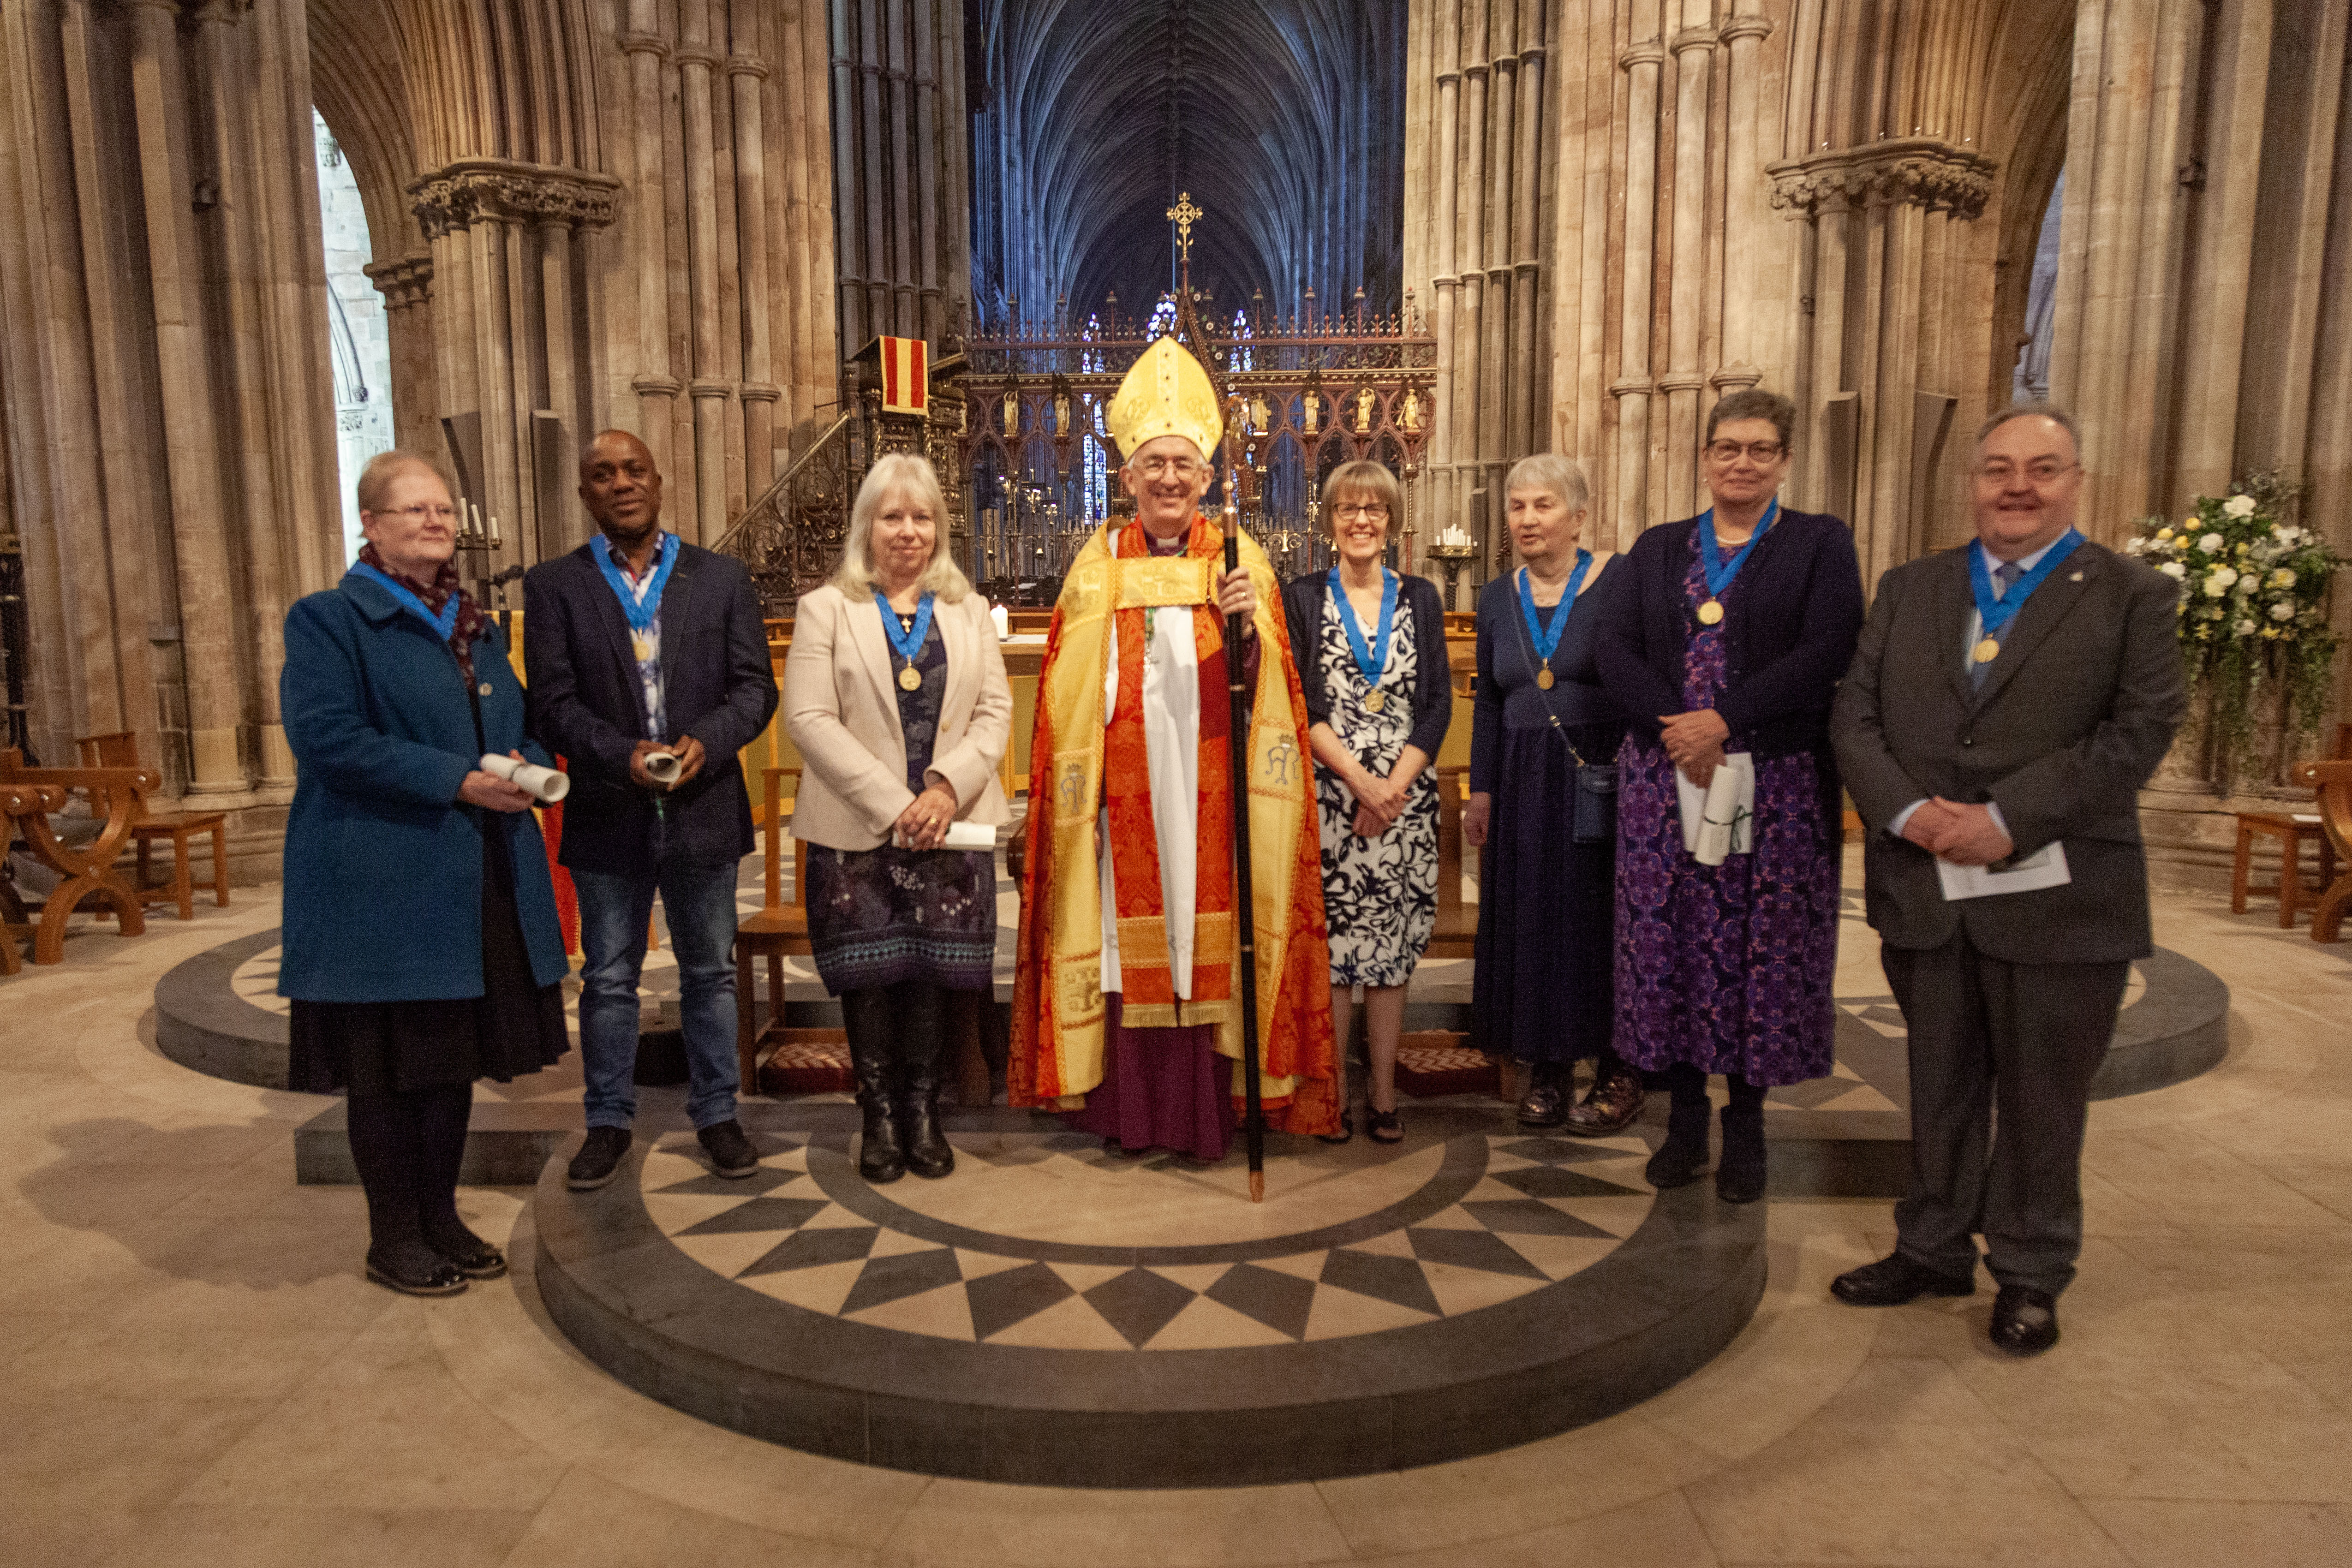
1082	767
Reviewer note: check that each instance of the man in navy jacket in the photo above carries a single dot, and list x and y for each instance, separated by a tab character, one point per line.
649	666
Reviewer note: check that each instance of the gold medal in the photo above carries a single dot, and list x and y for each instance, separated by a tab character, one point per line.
1375	700
1543	678
1709	613
1988	651
910	679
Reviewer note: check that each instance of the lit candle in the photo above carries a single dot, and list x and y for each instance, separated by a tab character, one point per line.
494	530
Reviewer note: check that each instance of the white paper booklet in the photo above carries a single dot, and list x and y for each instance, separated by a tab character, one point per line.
2045	867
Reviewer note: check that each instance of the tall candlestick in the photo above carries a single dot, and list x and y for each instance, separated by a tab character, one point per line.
494	531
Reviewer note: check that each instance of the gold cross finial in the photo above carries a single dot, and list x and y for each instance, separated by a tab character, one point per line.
1184	214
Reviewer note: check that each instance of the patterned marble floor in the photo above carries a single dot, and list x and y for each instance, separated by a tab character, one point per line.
1043	1238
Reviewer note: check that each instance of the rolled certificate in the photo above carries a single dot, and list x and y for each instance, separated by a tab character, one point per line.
960	836
662	766
544	785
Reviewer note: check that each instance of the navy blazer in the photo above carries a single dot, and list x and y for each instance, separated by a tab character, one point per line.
384	867
587	703
1307	599
1789	624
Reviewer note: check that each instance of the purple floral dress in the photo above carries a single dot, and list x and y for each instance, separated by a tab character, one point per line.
1728	968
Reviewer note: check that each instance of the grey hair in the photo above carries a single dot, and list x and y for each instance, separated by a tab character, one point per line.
899	473
381	469
1551	471
2049	411
1754	402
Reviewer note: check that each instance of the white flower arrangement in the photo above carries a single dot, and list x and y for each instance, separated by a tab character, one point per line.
2253	613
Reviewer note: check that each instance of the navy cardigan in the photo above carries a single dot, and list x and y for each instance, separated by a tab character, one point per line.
1789	626
383	866
1305	599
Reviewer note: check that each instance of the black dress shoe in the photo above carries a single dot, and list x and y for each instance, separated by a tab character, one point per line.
598	1159
469	1253
1550	1091
731	1154
2024	1321
1346	1130
413	1269
1609	1106
1895	1279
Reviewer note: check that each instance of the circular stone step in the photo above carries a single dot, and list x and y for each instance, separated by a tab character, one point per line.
1054	1314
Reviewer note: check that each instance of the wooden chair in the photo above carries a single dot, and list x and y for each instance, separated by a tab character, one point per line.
777	929
117	797
1457	922
2332	779
2290	829
180	827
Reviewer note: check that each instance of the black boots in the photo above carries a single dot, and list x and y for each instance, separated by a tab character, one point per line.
917	1103
867	1017
1739	1174
1684	1153
897	1039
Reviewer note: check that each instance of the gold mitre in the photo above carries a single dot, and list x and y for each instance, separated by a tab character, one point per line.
1166	393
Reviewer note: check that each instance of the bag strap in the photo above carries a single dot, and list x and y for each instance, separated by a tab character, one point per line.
1544	697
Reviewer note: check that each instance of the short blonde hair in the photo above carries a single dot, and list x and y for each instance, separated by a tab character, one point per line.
375	479
1551	471
1367	478
900	474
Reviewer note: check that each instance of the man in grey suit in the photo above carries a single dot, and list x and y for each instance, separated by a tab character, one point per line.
2007	702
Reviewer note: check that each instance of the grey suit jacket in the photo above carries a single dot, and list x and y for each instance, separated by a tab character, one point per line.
2078	710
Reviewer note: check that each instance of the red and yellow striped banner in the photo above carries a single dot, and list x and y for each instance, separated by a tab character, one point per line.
906	383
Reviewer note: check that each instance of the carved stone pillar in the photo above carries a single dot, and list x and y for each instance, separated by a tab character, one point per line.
1744	196
1633	389
1694	50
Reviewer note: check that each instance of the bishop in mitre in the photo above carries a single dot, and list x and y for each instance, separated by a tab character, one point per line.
1127	1009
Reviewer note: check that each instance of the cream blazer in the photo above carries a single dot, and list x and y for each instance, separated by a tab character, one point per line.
841	708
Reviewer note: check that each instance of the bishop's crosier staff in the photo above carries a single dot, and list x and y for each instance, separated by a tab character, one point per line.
1246	903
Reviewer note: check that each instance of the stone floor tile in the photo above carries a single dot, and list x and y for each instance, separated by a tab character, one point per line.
2226	1535
957	1523
590	1522
322	1536
1656	1532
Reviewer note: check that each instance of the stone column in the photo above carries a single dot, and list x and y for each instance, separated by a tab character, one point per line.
207	612
1633	389
657	390
1694	50
1447	503
1744	196
1469	217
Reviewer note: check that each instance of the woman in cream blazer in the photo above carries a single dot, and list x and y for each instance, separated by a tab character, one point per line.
895	694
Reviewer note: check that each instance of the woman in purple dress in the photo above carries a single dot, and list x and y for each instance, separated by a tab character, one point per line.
1724	648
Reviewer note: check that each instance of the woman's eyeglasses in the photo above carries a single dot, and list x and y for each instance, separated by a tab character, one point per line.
1729	451
1371	512
420	512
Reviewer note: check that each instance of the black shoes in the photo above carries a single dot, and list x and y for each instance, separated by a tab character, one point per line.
1346	1130
598	1159
1550	1091
1609	1106
413	1269
1382	1126
731	1154
2024	1321
1895	1278
466	1252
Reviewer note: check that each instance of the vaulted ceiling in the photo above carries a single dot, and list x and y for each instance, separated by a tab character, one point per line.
1282	118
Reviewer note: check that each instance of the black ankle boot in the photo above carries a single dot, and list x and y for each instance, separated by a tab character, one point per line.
918	1110
1684	1153
1740	1178
880	1157
1551	1086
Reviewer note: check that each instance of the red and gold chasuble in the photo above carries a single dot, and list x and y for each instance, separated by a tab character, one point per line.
1082	769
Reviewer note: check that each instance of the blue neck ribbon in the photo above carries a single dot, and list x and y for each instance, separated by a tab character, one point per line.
1997	612
641	613
909	645
1547	638
446	624
1374	658
1718	575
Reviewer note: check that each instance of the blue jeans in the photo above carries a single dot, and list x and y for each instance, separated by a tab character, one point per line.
699	901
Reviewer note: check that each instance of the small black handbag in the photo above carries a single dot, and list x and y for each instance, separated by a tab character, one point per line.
1592	814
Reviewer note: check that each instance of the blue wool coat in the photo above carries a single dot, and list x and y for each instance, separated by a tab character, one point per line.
383	868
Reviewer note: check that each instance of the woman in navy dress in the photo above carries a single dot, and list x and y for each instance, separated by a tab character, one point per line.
1541	990
1730	640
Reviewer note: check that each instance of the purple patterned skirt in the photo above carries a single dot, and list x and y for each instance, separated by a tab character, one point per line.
886	917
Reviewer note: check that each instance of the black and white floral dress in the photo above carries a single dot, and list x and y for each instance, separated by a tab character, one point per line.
1380	896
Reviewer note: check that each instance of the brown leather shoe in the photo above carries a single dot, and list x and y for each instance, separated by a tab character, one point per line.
1610	1107
1549	1091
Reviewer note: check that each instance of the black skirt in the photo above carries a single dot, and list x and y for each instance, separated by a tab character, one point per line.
514	1027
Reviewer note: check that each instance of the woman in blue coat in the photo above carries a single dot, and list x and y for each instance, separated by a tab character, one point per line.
421	945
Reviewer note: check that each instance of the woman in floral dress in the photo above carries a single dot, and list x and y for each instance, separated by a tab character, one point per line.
1370	645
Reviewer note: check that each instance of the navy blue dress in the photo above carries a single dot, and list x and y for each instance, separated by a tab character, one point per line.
1543	987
